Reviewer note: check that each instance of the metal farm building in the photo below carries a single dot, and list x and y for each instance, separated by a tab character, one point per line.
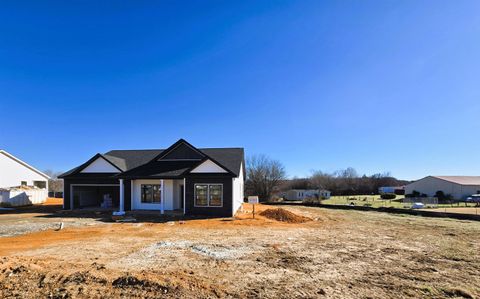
459	187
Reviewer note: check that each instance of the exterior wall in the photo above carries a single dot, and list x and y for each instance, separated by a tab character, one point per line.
325	194
19	197
127	193
167	196
225	211
238	191
430	185
100	166
12	173
177	198
291	195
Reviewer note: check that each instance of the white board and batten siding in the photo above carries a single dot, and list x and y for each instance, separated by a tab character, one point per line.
18	197
14	171
208	167
100	165
237	190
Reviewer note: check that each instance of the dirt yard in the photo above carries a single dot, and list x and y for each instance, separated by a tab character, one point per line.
334	254
459	210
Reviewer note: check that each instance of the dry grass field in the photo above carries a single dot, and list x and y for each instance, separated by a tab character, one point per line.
328	254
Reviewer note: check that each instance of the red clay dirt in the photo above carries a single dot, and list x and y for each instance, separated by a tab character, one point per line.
284	216
338	254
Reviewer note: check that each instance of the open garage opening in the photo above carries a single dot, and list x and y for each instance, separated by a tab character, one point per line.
96	196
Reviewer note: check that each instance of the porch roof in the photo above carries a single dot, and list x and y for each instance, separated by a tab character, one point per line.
159	169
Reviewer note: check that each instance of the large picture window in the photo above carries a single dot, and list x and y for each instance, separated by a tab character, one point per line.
151	193
208	195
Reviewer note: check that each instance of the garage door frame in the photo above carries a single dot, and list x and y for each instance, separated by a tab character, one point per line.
94	185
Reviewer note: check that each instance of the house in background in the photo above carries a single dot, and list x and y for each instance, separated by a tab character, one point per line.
21	183
459	187
194	181
301	194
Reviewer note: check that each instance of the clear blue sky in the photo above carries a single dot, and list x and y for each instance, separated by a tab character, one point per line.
375	85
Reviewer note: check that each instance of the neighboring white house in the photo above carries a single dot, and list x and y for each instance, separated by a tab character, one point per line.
459	187
301	194
21	183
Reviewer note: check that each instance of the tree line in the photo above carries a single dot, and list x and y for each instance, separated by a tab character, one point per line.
266	177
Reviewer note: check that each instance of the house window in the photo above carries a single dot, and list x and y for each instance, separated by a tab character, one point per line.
40	184
208	195
151	193
23	183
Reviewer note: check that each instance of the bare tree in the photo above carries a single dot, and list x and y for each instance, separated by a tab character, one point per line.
263	176
54	183
321	180
349	182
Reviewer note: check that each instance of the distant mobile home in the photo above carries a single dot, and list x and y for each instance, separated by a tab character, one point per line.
459	187
301	194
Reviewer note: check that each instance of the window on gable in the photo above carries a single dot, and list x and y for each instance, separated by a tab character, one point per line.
23	183
208	195
151	193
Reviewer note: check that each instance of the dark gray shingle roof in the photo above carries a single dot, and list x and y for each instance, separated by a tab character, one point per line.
126	160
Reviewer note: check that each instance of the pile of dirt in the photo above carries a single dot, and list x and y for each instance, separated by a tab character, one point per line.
284	216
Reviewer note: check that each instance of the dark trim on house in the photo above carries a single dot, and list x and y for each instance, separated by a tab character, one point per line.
227	206
175	145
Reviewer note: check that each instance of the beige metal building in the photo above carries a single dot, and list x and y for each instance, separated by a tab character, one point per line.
459	187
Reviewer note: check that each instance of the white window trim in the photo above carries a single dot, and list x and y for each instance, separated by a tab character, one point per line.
208	195
152	203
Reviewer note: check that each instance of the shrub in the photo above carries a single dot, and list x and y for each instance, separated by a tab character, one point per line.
5	205
388	196
311	200
442	197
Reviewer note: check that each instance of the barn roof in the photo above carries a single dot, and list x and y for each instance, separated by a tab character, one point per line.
460	179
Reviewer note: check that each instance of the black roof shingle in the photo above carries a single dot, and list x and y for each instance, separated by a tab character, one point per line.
135	163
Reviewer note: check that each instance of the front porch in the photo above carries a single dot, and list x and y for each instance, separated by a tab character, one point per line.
157	195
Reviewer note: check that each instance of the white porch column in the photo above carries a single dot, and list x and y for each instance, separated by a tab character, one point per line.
122	197
162	198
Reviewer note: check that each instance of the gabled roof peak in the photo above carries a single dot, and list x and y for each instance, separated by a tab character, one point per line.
23	163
